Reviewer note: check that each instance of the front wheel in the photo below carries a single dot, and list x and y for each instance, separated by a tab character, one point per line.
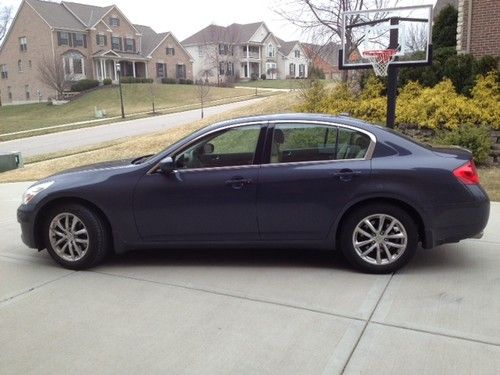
379	238
75	236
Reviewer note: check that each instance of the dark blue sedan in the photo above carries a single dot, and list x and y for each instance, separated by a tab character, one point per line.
294	180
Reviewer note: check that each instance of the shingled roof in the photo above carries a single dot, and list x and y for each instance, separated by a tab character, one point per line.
56	15
286	47
234	33
150	38
88	14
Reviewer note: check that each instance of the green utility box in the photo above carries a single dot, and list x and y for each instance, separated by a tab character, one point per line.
11	160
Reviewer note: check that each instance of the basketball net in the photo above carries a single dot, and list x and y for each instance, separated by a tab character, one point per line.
380	59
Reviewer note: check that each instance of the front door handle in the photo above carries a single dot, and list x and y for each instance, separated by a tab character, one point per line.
238	182
346	174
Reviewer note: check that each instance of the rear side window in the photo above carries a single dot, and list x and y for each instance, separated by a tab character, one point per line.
352	144
305	142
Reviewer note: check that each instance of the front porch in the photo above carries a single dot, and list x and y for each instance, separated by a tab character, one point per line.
248	68
105	68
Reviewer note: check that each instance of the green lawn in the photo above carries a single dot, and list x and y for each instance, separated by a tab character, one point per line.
137	98
274	83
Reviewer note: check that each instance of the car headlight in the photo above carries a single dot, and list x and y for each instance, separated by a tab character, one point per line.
30	193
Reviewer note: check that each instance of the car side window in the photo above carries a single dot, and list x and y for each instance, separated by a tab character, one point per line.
352	144
303	142
230	147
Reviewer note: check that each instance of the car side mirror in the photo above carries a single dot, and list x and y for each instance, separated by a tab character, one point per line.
166	165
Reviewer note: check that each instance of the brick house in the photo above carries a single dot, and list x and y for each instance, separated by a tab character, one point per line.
242	51
324	57
90	40
478	27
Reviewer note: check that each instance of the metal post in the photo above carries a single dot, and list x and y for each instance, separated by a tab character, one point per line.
392	78
118	71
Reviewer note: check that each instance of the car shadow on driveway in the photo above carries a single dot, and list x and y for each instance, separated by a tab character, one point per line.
299	258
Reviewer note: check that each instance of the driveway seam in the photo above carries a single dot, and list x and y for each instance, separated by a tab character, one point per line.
39	286
366	324
246	298
436	333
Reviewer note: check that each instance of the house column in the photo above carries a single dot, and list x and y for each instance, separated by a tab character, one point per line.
103	68
114	67
133	68
248	60
146	69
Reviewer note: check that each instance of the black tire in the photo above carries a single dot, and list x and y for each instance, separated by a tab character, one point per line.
354	218
99	242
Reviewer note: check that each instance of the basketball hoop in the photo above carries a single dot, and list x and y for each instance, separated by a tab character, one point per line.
380	59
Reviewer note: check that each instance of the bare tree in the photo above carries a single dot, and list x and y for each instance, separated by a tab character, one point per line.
51	73
416	38
5	17
203	87
323	18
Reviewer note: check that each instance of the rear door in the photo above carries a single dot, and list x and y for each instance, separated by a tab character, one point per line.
313	171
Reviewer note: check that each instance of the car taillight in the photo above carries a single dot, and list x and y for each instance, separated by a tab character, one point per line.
467	173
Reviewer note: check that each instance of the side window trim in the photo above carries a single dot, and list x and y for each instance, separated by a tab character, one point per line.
338	126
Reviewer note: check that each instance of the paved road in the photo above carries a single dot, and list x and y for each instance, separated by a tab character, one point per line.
252	312
76	138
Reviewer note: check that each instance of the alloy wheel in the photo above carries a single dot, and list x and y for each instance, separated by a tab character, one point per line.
68	236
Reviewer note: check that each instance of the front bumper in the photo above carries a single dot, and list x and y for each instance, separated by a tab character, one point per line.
26	218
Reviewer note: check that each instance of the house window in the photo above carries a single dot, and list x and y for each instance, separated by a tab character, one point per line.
270	50
3	71
9	93
297	53
62	38
180	71
221	68
225	49
79	40
74	65
230	69
27	91
29	64
292	69
101	40
200	51
161	70
170	51
114	21
19	65
23	44
129	45
116	43
302	70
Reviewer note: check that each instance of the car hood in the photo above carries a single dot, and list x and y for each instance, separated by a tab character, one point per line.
96	167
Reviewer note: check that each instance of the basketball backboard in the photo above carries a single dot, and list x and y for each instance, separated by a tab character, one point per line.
405	32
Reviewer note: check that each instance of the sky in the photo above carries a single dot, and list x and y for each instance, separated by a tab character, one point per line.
184	18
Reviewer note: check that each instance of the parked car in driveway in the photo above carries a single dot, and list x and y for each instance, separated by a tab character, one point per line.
289	180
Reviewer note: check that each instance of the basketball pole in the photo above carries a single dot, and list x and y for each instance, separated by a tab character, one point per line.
392	78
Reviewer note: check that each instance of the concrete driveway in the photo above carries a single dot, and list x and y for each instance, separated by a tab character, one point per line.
248	312
71	139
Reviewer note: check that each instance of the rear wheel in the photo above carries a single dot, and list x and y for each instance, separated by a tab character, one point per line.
379	238
75	236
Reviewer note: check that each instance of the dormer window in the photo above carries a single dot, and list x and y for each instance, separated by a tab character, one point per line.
297	53
114	21
23	44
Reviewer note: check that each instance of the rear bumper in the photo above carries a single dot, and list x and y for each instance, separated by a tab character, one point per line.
460	221
25	218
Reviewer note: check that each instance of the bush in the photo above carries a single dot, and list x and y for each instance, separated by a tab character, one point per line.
106	81
263	76
84	84
254	76
135	80
475	139
182	81
189	81
444	30
315	72
168	80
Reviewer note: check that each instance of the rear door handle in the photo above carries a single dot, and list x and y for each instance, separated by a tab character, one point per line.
346	174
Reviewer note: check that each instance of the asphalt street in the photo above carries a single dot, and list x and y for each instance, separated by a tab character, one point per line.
70	139
248	312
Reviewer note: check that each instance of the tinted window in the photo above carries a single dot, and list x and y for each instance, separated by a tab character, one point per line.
296	142
231	147
352	144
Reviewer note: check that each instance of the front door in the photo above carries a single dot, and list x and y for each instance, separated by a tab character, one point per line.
210	197
314	171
